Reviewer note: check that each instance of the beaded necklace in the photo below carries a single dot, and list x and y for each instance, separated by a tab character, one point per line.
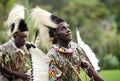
63	50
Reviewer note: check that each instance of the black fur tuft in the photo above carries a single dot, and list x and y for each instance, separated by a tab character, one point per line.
22	26
51	31
12	27
56	19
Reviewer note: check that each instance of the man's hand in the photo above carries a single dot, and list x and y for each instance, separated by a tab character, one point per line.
24	76
85	65
91	72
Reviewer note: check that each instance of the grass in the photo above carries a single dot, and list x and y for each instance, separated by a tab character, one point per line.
111	75
108	75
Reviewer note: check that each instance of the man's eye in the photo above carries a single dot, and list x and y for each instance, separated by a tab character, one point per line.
63	29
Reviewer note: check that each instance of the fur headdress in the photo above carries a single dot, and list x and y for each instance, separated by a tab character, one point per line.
15	20
47	24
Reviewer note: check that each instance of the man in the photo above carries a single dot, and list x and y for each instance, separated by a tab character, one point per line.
67	58
14	56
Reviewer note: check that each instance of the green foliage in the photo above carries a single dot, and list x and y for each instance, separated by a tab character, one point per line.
114	8
55	4
3	35
115	46
110	62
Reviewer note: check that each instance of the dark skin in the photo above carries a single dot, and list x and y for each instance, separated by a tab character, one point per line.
63	37
20	40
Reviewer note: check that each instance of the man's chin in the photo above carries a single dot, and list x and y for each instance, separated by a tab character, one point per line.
68	40
22	44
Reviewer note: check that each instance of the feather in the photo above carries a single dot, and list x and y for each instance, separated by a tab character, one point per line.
16	14
40	64
43	17
46	22
89	53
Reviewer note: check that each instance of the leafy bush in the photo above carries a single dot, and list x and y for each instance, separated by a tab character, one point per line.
110	62
115	46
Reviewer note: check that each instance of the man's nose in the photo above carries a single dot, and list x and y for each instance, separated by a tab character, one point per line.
68	30
24	38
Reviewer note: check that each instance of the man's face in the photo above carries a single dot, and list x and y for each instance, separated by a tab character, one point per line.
64	32
21	38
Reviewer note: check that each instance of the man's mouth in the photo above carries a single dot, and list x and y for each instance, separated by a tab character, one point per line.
68	34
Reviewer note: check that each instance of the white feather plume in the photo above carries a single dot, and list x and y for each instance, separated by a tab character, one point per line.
90	54
42	18
16	14
40	64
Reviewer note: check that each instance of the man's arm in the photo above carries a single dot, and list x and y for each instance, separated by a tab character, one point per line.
6	70
91	72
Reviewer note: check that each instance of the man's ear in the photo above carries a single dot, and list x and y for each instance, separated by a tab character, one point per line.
55	38
56	35
14	36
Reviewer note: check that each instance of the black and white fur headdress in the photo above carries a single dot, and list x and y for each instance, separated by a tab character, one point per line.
47	24
15	21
